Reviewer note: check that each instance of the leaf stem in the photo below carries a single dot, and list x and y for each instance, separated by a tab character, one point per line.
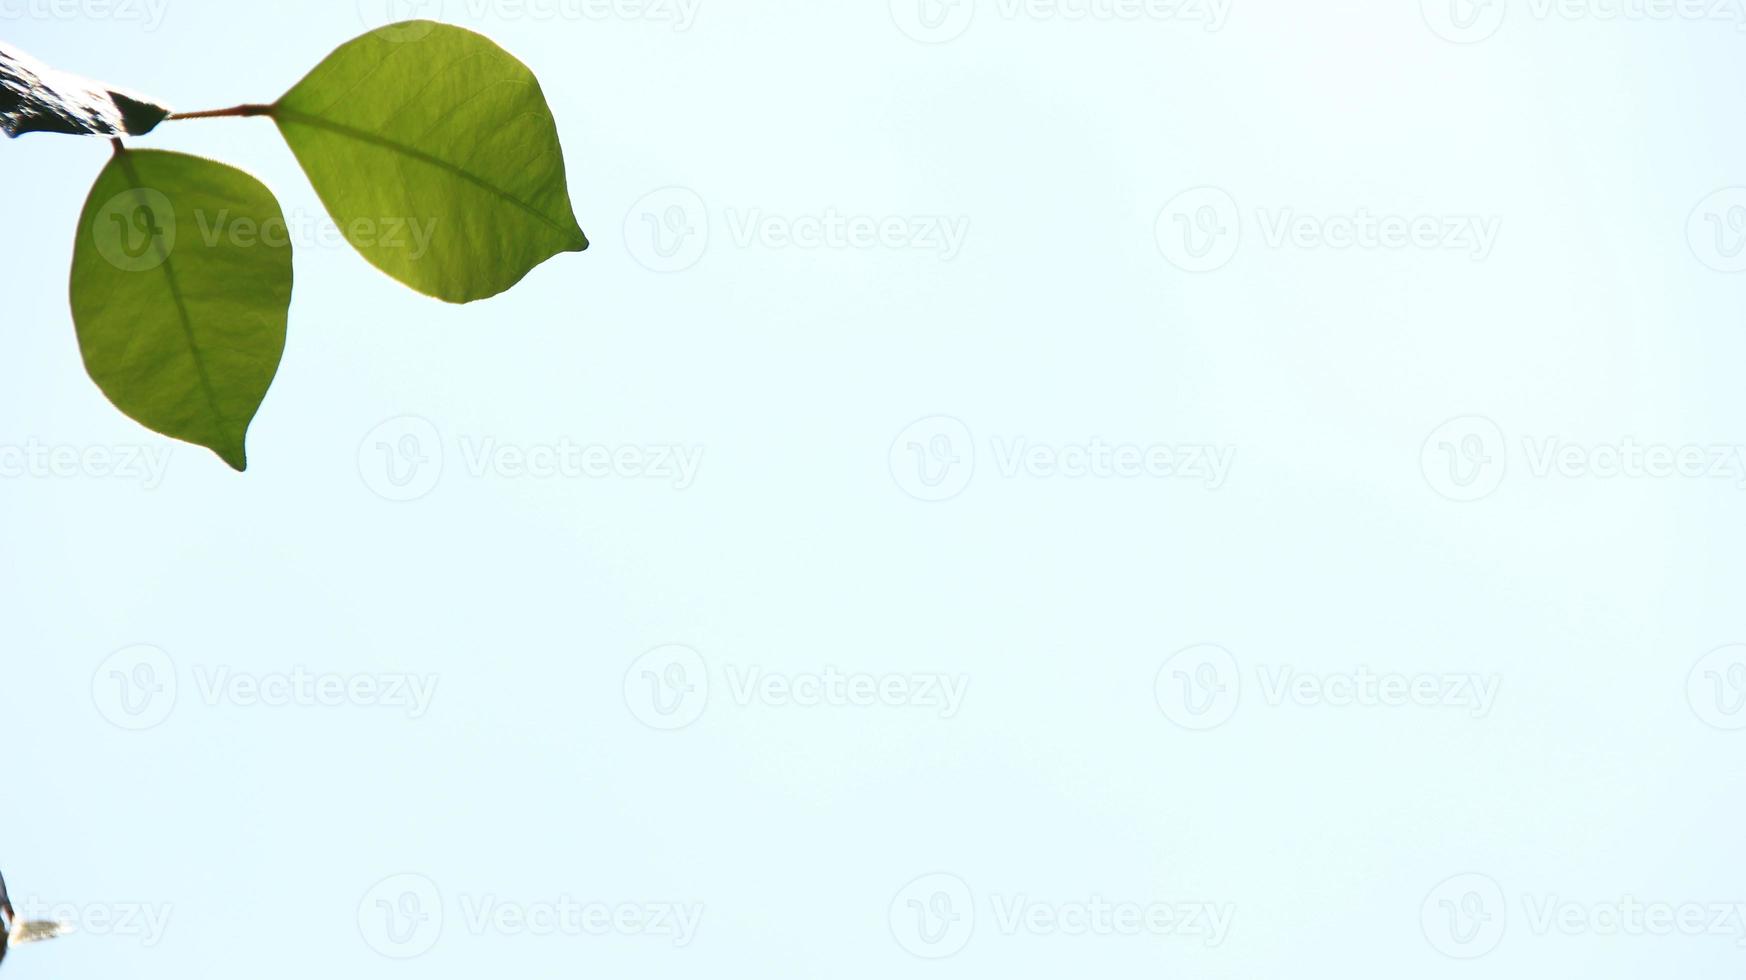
239	110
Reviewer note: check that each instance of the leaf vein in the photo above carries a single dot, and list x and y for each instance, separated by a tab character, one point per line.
182	317
383	142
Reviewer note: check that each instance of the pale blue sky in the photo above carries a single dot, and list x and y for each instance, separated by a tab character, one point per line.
955	367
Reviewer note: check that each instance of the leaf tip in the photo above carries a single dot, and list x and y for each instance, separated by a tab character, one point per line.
236	457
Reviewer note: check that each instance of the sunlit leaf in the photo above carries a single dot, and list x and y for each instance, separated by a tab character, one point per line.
36	98
180	290
437	156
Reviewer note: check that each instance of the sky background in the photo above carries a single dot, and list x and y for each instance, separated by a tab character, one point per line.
929	461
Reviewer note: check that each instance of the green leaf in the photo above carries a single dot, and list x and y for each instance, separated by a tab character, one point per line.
181	288
436	154
35	98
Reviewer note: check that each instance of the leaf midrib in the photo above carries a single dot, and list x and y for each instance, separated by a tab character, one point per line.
283	115
182	317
